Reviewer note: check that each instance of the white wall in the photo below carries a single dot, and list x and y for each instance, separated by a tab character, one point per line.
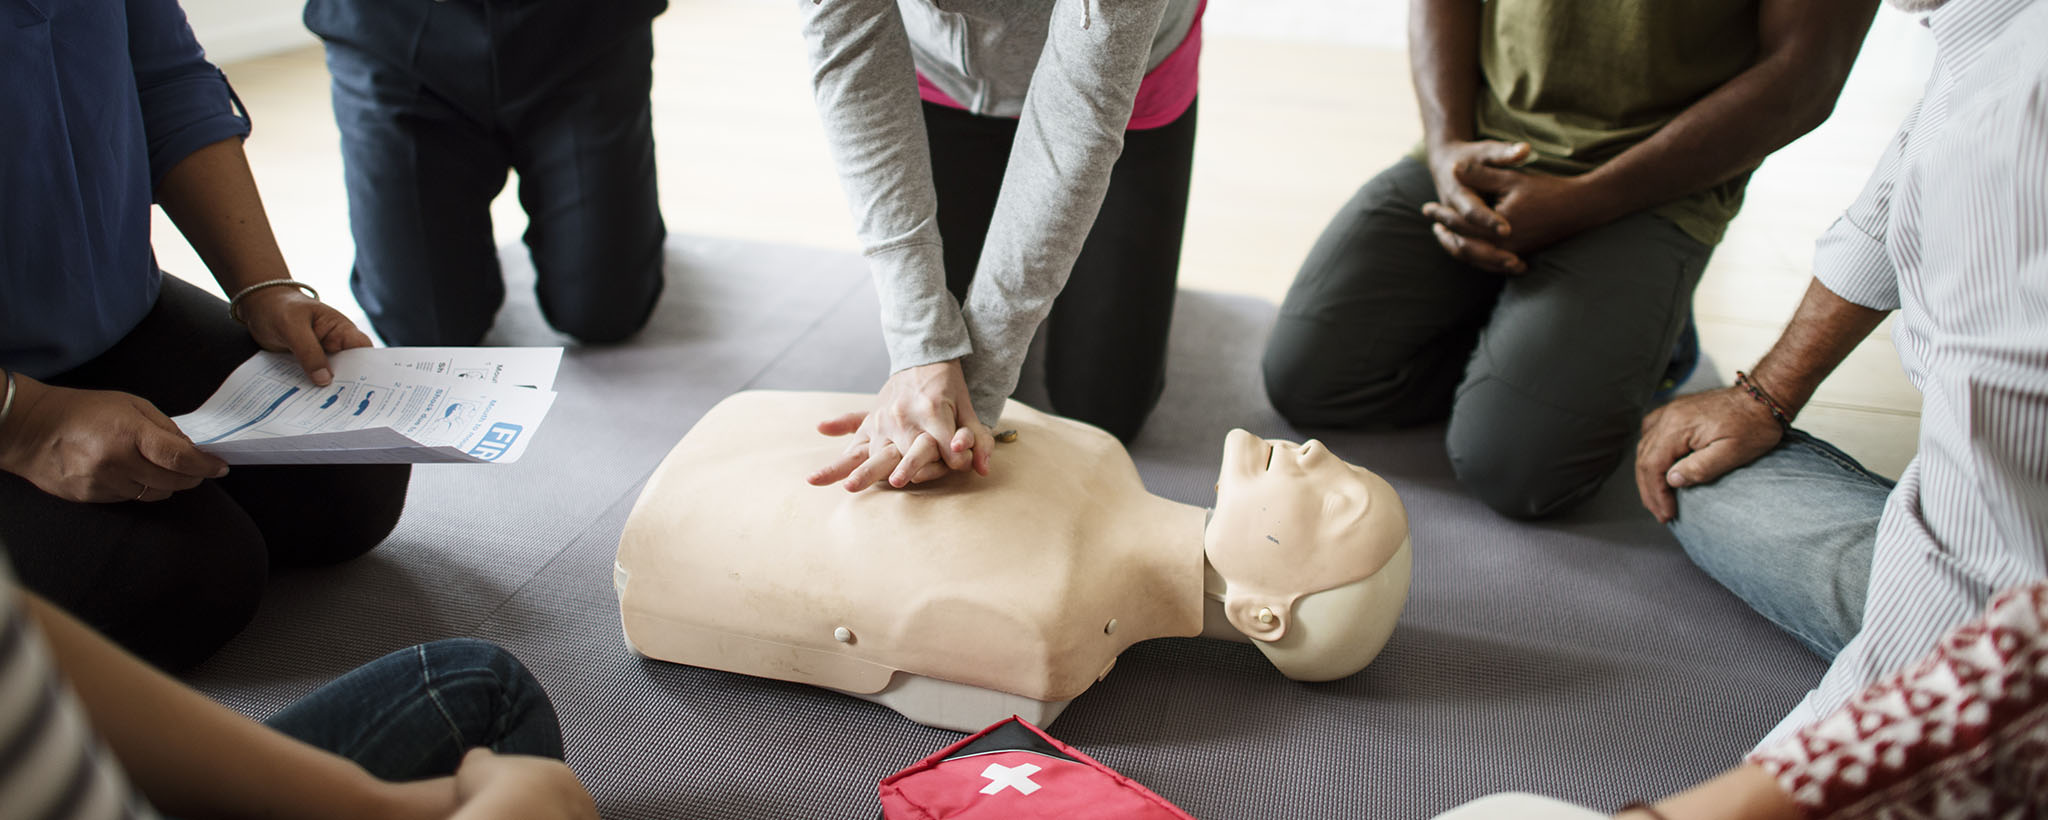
233	30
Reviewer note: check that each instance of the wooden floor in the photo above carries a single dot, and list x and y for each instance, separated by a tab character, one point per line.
1292	121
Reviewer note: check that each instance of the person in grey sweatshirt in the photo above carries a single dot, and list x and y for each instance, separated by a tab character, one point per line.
1008	162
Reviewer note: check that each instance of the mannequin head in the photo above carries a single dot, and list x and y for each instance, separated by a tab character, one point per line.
1313	554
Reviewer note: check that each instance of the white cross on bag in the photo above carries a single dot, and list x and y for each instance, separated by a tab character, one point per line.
1001	777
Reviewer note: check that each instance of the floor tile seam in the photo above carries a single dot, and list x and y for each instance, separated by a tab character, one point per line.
817	321
592	522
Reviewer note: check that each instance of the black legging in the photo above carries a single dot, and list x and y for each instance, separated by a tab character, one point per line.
173	580
1105	351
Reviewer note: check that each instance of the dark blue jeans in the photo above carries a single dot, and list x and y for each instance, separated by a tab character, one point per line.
436	101
412	714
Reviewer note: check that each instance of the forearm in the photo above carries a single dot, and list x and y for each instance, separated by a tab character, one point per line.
193	757
1443	56
1821	334
863	79
1069	138
1745	792
1790	89
211	196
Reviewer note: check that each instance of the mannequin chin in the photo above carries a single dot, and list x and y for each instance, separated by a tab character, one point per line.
964	600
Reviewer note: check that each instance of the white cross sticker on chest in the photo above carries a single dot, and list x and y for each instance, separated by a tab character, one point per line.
1002	777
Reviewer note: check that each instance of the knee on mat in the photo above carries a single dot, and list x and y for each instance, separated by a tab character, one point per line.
1521	480
491	698
1120	412
604	311
610	324
177	607
1297	387
1309	392
364	511
1715	520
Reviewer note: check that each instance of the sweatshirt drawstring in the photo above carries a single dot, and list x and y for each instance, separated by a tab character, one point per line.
1087	15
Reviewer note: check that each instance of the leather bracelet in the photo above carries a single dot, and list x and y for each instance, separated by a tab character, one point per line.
1783	418
235	303
1641	807
7	403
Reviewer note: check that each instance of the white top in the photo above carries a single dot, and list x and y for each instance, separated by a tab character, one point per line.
1952	231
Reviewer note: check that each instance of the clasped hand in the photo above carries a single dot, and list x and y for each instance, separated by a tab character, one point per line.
105	445
923	427
1488	215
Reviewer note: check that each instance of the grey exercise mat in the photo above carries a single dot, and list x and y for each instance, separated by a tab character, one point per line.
1584	658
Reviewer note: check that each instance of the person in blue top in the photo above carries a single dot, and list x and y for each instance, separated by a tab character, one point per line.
109	510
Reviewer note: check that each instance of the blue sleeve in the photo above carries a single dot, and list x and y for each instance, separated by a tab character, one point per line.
186	102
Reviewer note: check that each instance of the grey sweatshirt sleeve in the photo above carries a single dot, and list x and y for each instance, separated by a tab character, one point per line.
1070	134
866	90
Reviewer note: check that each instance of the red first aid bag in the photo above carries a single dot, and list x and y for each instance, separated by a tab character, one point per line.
1013	771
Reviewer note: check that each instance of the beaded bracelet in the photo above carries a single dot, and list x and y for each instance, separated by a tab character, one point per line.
1777	410
235	303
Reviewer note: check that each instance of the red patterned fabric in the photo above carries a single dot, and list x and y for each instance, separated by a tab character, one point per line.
1961	735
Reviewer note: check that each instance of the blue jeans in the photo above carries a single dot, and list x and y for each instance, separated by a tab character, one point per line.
1791	534
413	713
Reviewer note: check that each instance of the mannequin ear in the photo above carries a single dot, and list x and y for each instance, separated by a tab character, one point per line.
1259	617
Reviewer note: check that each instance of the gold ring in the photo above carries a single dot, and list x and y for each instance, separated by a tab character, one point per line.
145	491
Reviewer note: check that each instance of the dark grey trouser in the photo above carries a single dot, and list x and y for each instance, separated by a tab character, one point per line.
1545	376
436	101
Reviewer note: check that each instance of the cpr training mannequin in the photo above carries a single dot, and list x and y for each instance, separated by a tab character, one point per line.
964	600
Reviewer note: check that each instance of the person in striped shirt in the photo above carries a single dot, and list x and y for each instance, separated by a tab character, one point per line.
453	728
1961	734
1951	232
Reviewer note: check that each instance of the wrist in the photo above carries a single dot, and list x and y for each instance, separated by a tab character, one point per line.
1785	394
1602	196
1435	142
257	297
28	395
430	799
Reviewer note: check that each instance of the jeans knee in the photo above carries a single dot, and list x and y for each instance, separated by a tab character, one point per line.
491	697
601	326
603	309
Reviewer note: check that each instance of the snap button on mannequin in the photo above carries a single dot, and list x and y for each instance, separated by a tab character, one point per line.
975	598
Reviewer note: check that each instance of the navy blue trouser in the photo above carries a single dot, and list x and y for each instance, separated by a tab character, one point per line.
436	101
414	713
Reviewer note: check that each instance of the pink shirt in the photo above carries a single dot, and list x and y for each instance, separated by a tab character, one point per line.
1165	93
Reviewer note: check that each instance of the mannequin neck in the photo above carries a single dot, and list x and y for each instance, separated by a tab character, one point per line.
1162	540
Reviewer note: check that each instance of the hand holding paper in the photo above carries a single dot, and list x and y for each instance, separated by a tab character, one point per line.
385	405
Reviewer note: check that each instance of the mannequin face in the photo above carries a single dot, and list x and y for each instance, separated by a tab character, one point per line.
1278	500
1294	520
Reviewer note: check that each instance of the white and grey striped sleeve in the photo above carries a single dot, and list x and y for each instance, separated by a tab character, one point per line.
1850	258
51	764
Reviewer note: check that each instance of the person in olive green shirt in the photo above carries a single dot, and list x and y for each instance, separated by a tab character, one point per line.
1527	272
